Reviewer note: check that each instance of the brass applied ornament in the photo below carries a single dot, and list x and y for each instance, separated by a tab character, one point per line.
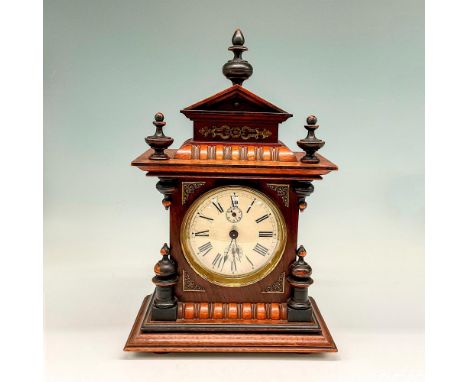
227	132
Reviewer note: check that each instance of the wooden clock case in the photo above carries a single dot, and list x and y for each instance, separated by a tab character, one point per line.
234	142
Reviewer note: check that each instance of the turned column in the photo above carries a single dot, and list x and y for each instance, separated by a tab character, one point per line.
299	305
164	303
167	187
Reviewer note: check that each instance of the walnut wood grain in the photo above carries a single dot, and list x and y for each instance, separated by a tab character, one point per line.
252	293
257	169
139	341
234	142
262	106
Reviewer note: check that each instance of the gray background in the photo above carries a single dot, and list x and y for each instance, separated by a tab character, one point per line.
110	65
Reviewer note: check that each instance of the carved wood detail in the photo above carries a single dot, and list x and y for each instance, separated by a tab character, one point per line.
282	190
231	311
235	152
189	285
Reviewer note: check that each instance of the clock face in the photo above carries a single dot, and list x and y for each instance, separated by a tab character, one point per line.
233	235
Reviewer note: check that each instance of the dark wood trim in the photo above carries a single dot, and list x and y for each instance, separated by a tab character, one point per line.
226	93
150	325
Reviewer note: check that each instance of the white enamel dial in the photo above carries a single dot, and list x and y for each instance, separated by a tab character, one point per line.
233	235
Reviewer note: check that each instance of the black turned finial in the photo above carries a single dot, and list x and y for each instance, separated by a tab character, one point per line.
164	306
159	142
310	144
165	268
303	189
237	69
299	305
167	187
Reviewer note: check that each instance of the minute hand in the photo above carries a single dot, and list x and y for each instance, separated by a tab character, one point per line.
226	253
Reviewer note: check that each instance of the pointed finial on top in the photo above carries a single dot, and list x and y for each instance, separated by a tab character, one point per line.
237	69
238	37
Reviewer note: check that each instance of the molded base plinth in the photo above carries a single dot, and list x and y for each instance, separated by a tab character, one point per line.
164	342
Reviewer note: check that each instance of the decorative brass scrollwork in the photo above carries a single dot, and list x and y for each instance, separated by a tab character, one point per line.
226	132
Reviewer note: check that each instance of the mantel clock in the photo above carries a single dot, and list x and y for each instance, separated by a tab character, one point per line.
233	278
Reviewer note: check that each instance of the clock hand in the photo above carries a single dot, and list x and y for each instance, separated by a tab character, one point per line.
229	247
233	264
236	250
226	253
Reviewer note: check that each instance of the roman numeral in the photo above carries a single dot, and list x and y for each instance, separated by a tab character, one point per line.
202	233
260	249
204	217
262	218
234	200
251	204
207	247
217	205
217	260
265	234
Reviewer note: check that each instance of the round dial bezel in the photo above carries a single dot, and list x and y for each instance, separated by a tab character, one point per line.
233	280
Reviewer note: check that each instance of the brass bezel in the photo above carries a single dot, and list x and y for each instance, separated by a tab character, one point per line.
239	280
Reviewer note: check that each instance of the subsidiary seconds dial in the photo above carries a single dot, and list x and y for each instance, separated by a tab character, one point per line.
233	235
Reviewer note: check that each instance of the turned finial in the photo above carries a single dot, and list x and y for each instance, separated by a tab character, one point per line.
299	305
158	141
164	306
310	144
311	120
165	267
300	269
301	251
237	69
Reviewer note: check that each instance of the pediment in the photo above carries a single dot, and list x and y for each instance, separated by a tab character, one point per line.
235	99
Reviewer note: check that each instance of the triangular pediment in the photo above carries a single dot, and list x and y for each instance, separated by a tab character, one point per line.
235	98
